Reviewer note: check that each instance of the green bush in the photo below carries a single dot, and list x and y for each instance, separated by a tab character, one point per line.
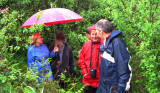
14	76
138	20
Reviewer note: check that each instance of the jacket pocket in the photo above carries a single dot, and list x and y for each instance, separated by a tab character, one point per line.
110	71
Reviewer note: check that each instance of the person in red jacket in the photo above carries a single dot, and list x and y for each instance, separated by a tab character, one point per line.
89	61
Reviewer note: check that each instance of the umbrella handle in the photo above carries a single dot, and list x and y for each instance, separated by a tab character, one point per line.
51	5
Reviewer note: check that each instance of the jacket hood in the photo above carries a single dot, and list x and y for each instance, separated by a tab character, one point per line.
93	27
113	34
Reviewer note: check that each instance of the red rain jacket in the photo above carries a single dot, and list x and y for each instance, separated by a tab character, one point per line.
84	62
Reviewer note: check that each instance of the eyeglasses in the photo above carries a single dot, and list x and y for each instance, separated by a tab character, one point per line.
94	34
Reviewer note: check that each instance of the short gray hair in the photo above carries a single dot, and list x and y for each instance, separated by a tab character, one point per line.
104	25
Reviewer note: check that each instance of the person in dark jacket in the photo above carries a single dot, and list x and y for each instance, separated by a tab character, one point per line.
115	71
89	61
63	59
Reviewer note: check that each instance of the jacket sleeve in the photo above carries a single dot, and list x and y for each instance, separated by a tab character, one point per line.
81	61
122	57
30	58
52	54
71	61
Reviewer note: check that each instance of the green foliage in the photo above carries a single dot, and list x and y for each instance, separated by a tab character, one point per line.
72	84
76	40
138	20
14	40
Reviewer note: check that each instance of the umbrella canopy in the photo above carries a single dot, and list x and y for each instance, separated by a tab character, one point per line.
52	16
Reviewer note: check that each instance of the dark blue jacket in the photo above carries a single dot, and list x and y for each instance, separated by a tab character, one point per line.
114	68
38	60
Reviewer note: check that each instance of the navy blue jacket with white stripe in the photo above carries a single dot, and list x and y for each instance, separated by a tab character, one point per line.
115	70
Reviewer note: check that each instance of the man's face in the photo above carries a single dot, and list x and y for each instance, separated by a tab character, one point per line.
58	42
94	36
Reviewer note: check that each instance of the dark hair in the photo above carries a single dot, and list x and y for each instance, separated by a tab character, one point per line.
61	36
88	30
104	25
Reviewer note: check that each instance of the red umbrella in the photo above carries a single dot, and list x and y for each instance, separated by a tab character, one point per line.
52	16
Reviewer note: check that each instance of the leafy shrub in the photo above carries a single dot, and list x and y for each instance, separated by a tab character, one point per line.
138	21
14	40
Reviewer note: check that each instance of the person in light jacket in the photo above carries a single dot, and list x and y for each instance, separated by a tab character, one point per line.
38	58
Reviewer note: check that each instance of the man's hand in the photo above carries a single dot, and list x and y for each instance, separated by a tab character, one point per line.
56	49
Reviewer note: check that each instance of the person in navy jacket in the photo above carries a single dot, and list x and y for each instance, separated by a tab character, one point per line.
38	58
115	71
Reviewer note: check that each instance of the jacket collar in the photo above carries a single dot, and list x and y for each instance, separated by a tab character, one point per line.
112	35
98	41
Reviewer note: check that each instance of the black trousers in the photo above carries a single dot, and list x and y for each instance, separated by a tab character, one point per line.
90	89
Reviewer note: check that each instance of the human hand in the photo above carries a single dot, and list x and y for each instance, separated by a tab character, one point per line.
79	52
56	49
84	74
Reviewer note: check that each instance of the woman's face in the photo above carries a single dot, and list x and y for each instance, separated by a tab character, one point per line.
39	40
94	36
